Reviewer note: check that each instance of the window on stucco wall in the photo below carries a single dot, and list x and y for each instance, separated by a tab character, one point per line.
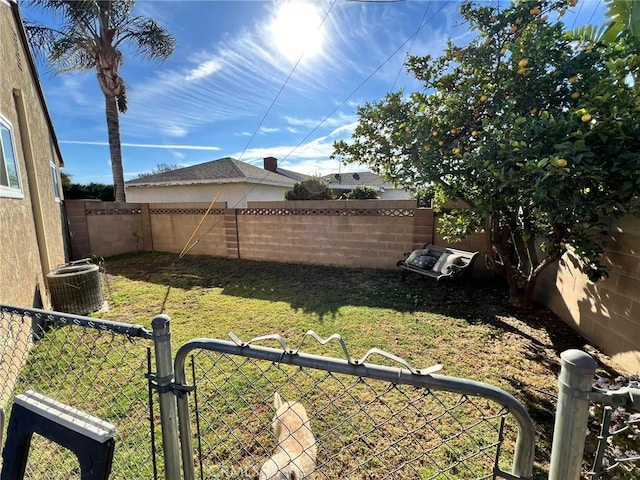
9	174
54	179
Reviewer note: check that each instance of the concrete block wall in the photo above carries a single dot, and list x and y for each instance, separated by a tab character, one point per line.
173	224
606	312
366	233
79	231
111	226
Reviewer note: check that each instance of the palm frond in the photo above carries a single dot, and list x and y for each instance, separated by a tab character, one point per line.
40	39
624	18
73	54
607	33
625	15
121	100
120	13
151	40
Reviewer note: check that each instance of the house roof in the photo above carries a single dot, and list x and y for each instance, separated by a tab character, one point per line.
34	75
298	177
223	170
346	181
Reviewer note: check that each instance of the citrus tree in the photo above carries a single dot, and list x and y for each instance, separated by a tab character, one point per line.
538	134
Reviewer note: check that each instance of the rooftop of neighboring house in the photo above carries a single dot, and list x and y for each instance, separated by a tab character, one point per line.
223	170
337	181
271	164
347	181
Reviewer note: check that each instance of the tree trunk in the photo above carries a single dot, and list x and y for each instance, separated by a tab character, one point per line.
115	150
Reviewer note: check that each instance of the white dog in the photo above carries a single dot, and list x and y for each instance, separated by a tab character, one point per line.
295	454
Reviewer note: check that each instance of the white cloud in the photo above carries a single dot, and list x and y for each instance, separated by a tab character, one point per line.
145	145
310	157
175	130
336	120
344	129
265	130
203	70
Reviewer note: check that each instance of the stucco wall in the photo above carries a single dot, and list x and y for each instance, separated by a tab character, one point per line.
606	312
22	268
235	195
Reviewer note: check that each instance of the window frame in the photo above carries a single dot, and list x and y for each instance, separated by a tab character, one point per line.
8	191
55	179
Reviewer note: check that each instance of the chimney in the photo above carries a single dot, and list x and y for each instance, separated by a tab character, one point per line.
271	164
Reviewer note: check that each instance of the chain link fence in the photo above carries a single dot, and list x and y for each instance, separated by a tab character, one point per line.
98	366
369	421
615	427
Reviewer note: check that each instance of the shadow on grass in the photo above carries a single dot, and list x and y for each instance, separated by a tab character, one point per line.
324	290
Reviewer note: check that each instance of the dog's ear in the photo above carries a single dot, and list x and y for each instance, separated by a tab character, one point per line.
293	475
277	401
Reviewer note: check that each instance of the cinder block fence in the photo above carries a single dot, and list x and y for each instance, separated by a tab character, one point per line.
363	233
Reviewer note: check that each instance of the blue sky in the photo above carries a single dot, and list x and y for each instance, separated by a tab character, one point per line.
232	87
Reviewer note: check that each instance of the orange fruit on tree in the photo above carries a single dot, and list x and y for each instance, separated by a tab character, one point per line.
573	79
483	98
535	11
575	95
523	63
561	163
586	117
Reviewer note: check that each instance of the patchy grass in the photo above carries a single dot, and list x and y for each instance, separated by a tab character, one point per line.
473	333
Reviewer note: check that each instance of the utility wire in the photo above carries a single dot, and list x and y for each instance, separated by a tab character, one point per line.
275	99
420	27
413	40
189	246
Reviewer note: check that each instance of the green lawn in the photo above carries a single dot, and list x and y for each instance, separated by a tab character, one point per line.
472	332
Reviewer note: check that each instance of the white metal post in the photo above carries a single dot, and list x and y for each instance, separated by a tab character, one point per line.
164	380
574	385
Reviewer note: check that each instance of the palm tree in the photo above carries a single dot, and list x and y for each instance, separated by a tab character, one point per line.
90	38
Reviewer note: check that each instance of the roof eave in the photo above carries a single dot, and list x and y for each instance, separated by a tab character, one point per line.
36	78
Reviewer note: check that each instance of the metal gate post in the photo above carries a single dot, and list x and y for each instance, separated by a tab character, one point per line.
164	380
569	432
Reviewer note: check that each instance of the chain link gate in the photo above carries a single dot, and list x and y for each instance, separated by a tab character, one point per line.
370	421
95	365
